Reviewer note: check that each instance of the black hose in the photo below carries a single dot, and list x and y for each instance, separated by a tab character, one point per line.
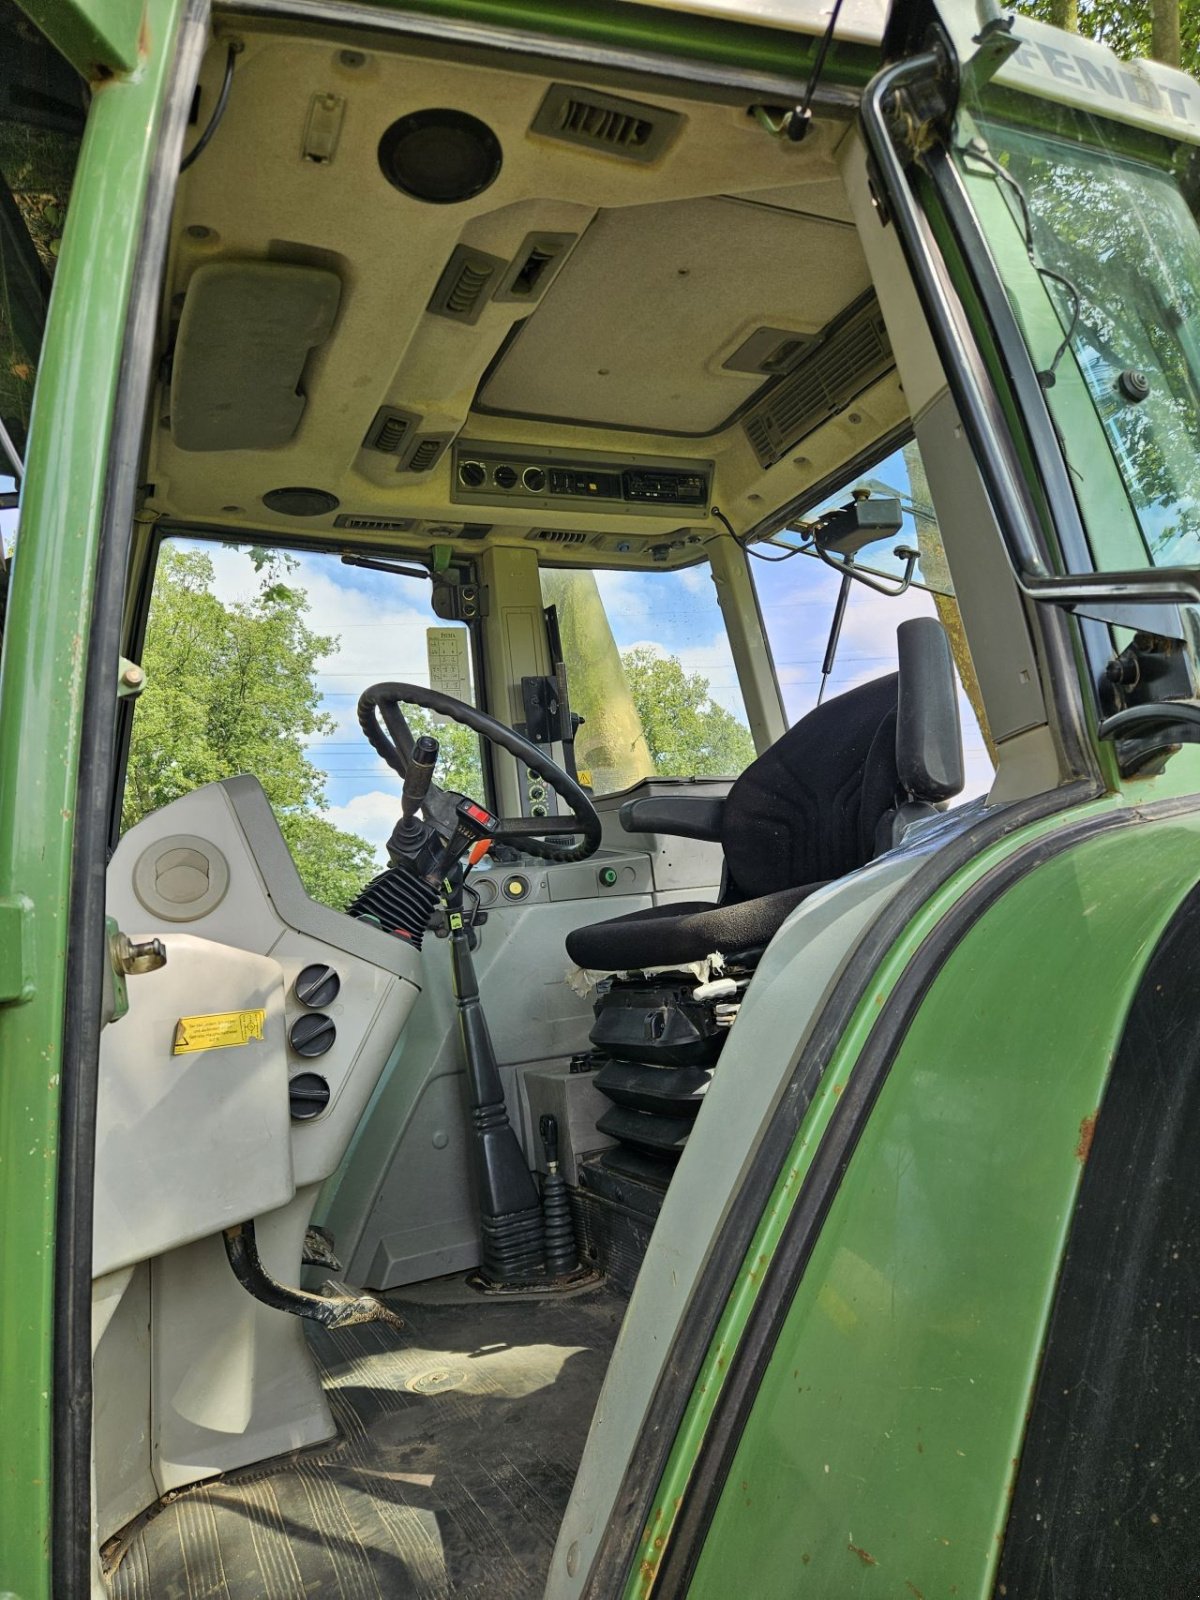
214	122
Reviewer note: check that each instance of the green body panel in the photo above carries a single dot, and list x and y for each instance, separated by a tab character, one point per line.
41	699
1181	777
616	24
879	1451
98	37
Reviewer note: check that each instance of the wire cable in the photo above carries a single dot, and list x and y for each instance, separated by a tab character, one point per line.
793	550
214	122
979	151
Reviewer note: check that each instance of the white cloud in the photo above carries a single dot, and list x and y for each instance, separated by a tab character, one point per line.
371	815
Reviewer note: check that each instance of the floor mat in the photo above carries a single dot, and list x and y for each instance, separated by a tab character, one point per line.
458	1442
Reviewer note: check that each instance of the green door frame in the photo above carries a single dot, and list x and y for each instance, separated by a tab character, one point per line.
58	681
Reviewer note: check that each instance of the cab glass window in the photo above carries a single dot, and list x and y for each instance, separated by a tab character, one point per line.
650	671
41	123
254	663
797	595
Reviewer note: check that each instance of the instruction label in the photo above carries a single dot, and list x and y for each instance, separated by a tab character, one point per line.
449	664
218	1031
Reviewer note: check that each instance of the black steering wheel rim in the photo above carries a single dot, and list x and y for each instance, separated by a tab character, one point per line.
384	698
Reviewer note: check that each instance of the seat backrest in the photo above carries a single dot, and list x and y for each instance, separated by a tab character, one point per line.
806	811
840	785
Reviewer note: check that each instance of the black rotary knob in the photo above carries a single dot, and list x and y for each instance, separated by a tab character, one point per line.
308	1095
313	1034
318	985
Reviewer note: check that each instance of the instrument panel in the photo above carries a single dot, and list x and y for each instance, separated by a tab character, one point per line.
550	479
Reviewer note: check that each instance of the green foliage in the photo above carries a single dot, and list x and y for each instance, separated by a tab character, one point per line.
458	766
687	732
230	689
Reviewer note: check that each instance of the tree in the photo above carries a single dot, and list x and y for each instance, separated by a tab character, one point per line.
230	689
687	732
458	765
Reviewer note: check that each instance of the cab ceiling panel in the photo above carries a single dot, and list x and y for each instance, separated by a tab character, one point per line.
637	328
429	290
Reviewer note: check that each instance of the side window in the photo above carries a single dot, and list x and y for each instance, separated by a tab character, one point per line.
254	664
650	671
41	123
797	596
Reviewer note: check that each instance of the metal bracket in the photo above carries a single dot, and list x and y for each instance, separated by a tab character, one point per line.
16	949
340	1308
131	679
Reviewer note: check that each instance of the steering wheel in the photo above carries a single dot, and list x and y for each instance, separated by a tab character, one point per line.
393	740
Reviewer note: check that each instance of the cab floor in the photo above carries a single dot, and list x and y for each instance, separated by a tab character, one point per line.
458	1442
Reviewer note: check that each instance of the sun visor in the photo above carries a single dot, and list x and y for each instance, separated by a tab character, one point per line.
246	333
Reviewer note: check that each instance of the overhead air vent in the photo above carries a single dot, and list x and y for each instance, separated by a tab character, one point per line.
533	267
425	453
466	284
391	430
559	536
375	524
623	128
850	355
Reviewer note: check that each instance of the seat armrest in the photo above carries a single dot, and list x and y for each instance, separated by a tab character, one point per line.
693	816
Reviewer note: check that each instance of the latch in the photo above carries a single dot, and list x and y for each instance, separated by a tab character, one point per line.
16	949
127	958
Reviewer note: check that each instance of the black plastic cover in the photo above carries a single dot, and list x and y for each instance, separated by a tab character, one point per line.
691	816
658	1023
677	1091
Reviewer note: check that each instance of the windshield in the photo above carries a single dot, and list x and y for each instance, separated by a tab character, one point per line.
1095	233
651	672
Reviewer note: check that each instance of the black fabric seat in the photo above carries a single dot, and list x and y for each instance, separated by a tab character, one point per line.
686	931
817	805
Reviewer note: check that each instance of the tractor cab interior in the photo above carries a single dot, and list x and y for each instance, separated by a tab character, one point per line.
551	415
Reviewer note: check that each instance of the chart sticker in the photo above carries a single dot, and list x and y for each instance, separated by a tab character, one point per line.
218	1031
449	664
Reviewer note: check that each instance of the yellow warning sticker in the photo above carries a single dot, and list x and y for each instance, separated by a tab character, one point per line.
218	1031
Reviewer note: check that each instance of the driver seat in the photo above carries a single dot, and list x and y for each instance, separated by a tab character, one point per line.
836	790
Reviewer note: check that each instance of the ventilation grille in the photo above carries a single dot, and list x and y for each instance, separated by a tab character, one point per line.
425	454
559	536
604	125
844	360
390	430
465	284
375	524
618	127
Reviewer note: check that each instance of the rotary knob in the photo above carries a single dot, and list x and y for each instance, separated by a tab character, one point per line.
317	985
313	1034
308	1095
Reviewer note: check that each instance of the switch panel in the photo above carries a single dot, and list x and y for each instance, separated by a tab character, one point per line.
552	479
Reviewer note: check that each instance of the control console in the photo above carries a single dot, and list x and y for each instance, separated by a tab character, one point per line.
554	479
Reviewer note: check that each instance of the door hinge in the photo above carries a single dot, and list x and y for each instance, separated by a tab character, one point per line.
16	949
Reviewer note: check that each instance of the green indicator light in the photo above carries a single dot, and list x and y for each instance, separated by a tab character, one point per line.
608	876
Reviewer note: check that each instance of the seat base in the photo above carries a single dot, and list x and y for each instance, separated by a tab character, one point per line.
662	936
